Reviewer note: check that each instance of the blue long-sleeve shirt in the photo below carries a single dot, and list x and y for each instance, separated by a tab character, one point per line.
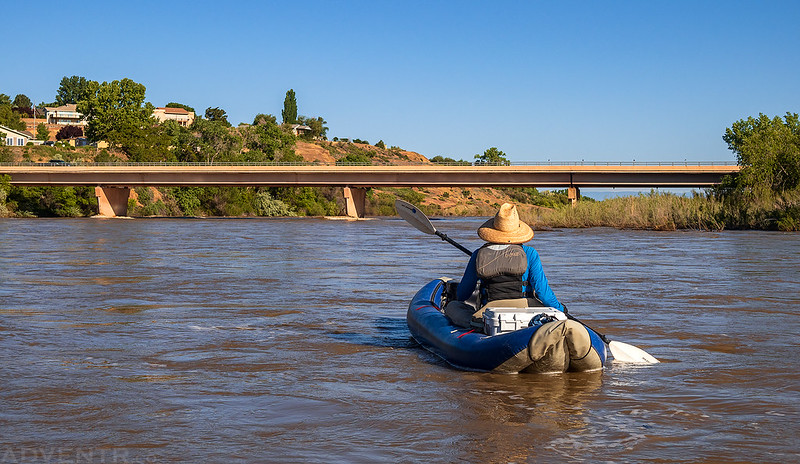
534	276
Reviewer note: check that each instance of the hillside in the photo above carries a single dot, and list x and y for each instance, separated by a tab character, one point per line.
325	151
440	201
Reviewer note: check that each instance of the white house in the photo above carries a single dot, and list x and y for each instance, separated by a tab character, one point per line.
65	115
299	129
15	138
183	117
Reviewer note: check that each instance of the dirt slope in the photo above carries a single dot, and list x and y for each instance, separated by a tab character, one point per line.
448	201
313	152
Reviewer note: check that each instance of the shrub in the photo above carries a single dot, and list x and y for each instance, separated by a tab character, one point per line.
6	155
439	159
102	156
69	132
187	199
52	201
5	187
268	206
356	155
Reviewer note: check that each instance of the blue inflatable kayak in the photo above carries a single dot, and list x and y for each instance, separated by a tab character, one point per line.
556	346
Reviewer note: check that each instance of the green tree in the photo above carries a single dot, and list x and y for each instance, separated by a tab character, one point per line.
180	105
307	201
217	114
21	101
74	89
9	117
317	125
217	141
41	132
117	113
493	156
265	119
265	141
447	160
768	152
188	199
184	143
289	113
53	201
152	144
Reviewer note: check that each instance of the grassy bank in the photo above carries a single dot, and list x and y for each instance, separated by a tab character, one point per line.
666	211
655	211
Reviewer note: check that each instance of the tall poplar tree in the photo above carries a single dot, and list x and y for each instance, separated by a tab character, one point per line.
289	113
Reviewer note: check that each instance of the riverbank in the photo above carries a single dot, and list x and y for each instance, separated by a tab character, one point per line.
709	210
543	210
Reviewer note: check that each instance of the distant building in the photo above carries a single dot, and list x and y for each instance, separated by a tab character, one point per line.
181	116
15	138
65	115
79	142
299	129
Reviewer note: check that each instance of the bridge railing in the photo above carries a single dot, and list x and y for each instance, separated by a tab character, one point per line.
315	163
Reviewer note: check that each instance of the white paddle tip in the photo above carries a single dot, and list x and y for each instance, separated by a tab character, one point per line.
624	353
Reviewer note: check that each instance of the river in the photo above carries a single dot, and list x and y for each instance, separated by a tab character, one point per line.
284	340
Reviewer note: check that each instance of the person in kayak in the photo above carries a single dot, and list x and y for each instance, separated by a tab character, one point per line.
510	273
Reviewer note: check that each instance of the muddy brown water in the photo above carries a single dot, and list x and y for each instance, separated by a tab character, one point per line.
285	340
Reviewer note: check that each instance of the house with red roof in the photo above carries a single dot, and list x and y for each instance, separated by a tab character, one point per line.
180	115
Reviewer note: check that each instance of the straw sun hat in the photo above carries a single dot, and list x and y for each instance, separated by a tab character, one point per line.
505	227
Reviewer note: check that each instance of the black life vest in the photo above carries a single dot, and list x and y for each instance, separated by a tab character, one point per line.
500	268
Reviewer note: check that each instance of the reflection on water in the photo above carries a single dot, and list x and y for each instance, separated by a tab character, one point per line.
285	341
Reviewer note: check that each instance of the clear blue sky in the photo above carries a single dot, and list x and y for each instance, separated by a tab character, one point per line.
560	80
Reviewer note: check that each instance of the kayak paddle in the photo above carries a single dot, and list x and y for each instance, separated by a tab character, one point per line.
417	218
621	352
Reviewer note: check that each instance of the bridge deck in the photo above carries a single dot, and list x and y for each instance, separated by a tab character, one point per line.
372	176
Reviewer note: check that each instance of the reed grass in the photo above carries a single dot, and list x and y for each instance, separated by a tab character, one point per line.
667	211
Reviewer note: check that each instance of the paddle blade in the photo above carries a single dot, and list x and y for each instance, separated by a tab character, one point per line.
414	216
625	353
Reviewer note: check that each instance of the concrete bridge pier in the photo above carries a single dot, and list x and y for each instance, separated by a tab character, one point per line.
112	201
573	195
355	201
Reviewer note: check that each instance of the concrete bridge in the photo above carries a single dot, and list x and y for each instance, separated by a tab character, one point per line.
114	181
